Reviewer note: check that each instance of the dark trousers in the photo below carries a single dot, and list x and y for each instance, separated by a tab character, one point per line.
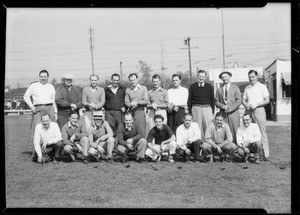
114	119
51	151
194	147
175	119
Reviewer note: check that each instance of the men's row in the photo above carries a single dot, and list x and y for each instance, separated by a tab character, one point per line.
172	104
98	142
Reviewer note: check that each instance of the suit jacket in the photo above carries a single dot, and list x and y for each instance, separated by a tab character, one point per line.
234	99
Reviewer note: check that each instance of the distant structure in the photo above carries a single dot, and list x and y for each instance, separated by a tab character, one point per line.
278	79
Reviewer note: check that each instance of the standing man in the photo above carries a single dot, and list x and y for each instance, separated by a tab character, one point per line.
136	98
115	103
189	138
158	98
228	100
93	99
68	99
218	138
101	137
256	96
43	98
178	97
75	138
47	141
249	139
130	138
201	102
161	139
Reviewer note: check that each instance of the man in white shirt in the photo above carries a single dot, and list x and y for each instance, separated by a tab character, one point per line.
248	139
256	96
188	137
47	140
40	97
178	97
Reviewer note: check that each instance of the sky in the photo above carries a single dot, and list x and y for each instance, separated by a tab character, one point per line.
58	40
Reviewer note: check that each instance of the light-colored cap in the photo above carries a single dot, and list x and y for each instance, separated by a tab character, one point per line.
68	76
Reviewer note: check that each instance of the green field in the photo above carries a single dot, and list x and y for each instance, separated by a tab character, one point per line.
104	185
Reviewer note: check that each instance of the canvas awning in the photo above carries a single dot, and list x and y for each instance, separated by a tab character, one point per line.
286	78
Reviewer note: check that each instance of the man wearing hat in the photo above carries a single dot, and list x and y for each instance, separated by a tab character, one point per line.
228	100
101	137
67	98
201	102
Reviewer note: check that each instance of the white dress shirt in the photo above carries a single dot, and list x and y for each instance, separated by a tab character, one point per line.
256	93
41	94
178	96
251	133
184	134
42	135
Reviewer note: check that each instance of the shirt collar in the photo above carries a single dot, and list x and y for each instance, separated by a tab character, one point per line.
201	84
126	128
222	126
163	128
158	89
70	126
47	128
138	86
96	88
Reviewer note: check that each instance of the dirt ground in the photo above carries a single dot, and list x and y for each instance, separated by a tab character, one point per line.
104	185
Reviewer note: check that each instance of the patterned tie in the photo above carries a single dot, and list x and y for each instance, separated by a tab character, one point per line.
226	92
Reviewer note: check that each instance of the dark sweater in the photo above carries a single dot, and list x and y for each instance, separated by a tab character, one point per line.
123	134
114	101
201	95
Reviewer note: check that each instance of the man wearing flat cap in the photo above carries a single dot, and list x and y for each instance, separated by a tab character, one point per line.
228	100
67	98
101	137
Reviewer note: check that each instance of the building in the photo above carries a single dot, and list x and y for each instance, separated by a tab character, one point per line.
278	79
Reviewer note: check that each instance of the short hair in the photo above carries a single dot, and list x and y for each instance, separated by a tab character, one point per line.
202	71
115	75
188	114
73	112
133	74
45	114
94	75
246	114
176	75
220	114
129	113
158	116
253	71
44	71
156	76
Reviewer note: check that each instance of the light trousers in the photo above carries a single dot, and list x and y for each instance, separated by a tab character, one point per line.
104	147
204	117
170	148
259	117
84	143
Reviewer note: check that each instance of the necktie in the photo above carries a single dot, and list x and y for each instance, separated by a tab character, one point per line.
226	92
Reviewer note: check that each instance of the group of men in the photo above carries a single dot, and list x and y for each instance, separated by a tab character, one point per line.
151	124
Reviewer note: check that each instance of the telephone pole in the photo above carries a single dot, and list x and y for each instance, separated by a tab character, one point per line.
121	74
223	41
162	65
187	42
91	31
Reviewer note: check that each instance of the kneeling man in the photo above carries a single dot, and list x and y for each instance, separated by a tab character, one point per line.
218	138
189	138
130	138
101	137
161	139
47	140
248	139
75	138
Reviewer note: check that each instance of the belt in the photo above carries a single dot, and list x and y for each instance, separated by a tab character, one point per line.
199	105
48	104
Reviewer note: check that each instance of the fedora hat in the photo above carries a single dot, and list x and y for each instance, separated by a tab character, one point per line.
229	73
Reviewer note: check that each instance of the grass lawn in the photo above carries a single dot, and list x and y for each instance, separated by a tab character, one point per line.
104	185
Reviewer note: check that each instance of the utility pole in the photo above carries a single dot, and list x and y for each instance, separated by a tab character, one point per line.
187	42
223	41
121	74
162	65
91	31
